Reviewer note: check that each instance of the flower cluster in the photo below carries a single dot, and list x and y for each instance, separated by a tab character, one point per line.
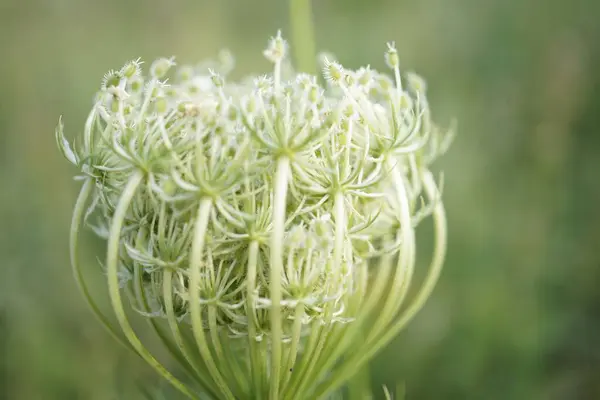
271	209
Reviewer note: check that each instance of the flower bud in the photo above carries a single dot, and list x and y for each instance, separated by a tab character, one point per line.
416	83
160	67
111	79
268	209
333	72
136	84
276	50
131	69
217	79
391	56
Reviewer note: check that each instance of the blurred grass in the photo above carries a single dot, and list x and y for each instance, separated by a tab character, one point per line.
516	313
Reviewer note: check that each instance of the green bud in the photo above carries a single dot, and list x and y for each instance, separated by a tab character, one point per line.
161	67
416	82
391	56
217	79
111	79
185	73
131	69
136	84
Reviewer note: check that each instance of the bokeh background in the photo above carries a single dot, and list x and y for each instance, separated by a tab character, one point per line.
517	313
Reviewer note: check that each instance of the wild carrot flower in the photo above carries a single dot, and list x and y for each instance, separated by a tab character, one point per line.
265	228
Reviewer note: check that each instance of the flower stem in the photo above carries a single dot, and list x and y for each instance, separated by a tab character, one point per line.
112	264
406	258
303	36
196	263
276	258
200	374
84	194
336	379
256	360
435	267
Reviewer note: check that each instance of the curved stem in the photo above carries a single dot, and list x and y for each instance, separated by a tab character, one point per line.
276	269
309	374
344	337
340	234
294	346
406	258
303	36
321	351
78	212
200	228
172	321
112	261
230	368
143	304
301	370
214	331
435	268
256	361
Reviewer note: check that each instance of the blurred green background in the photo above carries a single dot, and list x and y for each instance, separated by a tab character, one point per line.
517	312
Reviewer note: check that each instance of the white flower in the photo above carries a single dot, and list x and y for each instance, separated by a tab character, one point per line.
256	211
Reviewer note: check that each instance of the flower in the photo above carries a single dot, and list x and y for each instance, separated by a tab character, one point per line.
268	223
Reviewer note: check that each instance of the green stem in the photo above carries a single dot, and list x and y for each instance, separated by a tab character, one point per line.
303	36
172	320
112	263
435	268
300	371
256	360
406	258
197	251
276	259
76	266
340	233
144	306
311	373
344	337
295	343
229	369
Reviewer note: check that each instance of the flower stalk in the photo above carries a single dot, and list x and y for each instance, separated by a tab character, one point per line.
276	270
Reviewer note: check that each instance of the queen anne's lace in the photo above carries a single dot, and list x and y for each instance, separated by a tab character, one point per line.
355	154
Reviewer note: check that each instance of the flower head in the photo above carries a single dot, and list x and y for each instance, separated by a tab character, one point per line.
269	218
